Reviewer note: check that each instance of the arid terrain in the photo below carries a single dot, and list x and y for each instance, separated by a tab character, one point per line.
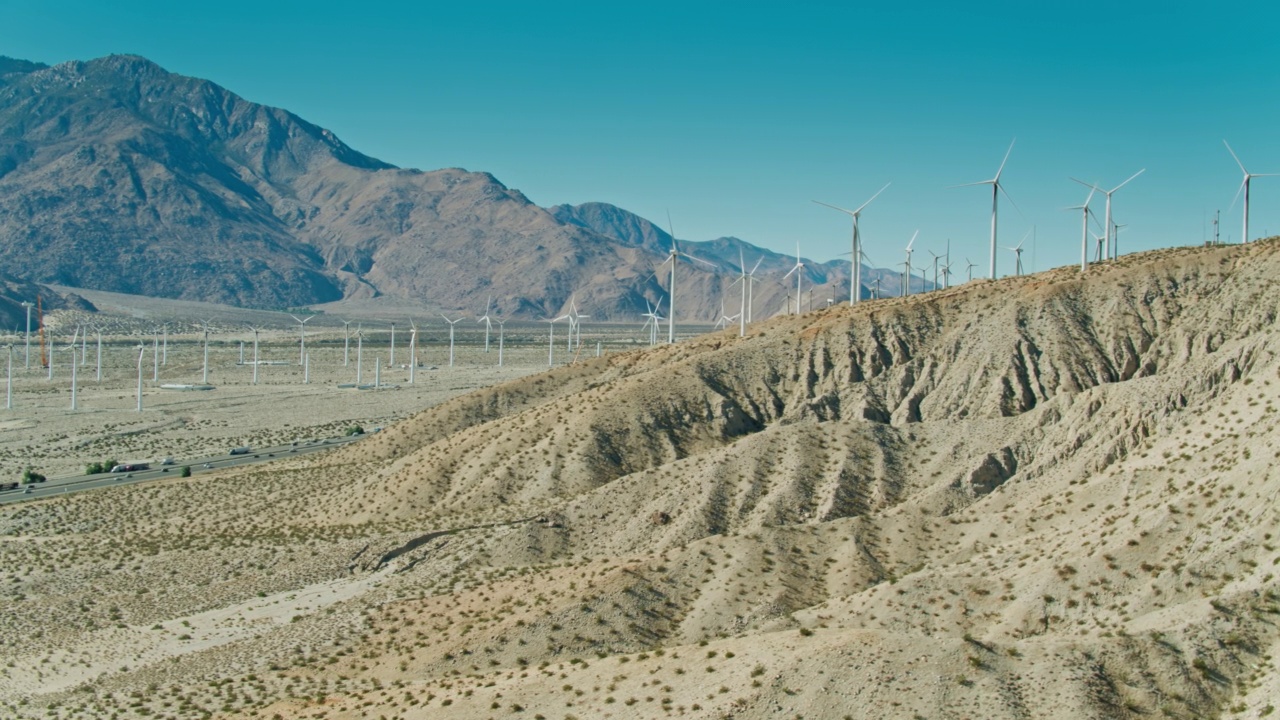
1042	497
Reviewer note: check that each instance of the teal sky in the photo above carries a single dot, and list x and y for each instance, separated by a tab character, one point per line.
733	116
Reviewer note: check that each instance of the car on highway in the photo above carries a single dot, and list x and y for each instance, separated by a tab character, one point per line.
129	467
245	450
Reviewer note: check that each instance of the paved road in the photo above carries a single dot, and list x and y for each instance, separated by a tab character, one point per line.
79	483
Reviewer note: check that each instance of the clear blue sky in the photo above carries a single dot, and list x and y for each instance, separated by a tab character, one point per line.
733	116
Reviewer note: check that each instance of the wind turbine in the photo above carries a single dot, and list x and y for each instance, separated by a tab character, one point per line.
413	348
487	324
1244	186
142	349
996	189
84	347
359	355
255	353
936	256
451	324
346	342
672	257
969	266
72	348
391	358
1017	252
746	278
855	254
502	326
205	376
799	271
1107	224
654	323
906	267
8	396
1084	229
164	345
98	331
27	353
551	338
155	354
302	334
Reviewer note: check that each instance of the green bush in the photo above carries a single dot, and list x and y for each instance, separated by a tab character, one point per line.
186	471
355	430
31	476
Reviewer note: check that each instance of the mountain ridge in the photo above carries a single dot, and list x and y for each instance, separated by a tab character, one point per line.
118	175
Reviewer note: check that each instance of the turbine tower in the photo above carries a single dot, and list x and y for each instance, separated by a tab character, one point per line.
487	324
1084	229
855	254
27	353
996	189
1244	186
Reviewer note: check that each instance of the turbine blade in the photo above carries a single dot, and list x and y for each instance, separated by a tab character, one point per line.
1002	162
873	197
1092	186
980	182
1126	182
1239	190
833	207
698	259
913	241
1233	155
1011	202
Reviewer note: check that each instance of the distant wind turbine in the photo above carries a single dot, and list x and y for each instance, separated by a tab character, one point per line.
1084	229
302	338
1109	250
488	325
906	267
855	253
673	257
798	269
1244	187
451	324
551	338
996	189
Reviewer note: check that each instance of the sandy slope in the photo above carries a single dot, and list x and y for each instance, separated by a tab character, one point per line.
1042	497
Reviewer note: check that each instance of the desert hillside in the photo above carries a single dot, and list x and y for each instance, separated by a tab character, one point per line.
1050	496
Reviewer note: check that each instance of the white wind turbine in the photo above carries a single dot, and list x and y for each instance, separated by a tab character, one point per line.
255	353
346	342
84	347
359	355
487	324
1244	187
413	349
72	348
164	345
451	324
798	269
654	322
996	189
672	257
391	355
502	326
855	278
744	309
551	338
1017	252
1109	250
8	396
27	352
142	349
155	354
205	375
969	266
906	267
98	332
1084	228
302	338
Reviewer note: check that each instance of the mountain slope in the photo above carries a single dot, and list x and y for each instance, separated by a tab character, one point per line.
963	503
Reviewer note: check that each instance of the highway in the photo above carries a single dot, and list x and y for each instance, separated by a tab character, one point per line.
80	483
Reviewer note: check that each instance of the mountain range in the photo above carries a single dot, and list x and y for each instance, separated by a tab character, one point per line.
118	175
